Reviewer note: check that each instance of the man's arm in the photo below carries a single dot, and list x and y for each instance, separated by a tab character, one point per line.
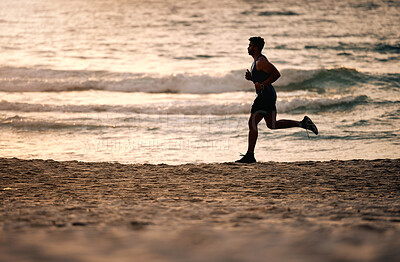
264	65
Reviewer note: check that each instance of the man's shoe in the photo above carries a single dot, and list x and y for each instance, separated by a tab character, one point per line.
309	125
248	158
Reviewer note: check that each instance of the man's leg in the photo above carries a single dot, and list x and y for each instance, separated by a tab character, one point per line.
253	131
270	119
253	134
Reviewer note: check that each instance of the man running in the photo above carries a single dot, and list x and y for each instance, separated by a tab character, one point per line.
263	74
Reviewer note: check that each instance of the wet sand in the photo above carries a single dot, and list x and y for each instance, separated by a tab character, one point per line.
300	211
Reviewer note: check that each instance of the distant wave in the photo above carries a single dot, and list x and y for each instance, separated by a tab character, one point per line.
192	107
386	48
18	122
45	80
271	13
383	48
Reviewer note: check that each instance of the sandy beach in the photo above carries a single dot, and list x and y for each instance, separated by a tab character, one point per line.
299	211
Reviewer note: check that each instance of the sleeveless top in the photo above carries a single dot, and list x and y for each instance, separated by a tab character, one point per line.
260	76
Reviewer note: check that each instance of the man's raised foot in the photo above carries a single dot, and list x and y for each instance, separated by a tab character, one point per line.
308	124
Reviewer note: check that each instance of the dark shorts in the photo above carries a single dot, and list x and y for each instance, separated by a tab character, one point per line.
265	102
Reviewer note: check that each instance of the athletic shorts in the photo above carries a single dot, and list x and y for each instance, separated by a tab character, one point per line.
265	102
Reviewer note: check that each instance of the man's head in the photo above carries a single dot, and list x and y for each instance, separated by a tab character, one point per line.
256	42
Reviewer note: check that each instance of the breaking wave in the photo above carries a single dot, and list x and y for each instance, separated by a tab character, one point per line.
45	80
191	107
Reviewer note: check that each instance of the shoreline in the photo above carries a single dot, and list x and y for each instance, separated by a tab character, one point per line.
338	210
197	163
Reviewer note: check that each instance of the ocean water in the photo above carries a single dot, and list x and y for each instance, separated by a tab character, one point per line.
162	81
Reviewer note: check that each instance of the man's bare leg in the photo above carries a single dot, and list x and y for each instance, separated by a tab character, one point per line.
252	139
253	131
270	119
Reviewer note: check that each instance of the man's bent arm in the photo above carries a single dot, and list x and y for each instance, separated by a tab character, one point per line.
270	69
